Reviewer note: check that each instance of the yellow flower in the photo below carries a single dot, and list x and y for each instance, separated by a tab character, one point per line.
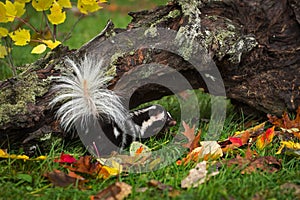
11	11
20	8
51	44
64	3
88	6
22	1
57	16
3	17
3	32
40	5
20	37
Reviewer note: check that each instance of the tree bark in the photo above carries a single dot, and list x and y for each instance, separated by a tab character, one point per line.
255	45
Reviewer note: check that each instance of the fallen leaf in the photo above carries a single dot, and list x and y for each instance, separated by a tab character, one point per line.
65	158
292	131
209	150
197	176
61	179
137	148
241	138
107	172
266	138
290	148
159	185
285	121
253	132
292	186
116	191
193	141
85	165
236	141
260	164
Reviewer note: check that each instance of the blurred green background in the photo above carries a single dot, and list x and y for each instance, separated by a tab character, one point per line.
87	28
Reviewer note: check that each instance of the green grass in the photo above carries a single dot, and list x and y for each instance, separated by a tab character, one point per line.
24	180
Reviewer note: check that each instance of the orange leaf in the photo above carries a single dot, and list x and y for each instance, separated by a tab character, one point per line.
139	150
266	138
285	121
85	165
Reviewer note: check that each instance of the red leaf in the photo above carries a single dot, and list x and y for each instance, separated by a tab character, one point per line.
65	158
236	141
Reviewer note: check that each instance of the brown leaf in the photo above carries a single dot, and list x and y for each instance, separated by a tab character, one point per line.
61	179
85	165
159	185
291	186
260	164
116	191
285	121
193	141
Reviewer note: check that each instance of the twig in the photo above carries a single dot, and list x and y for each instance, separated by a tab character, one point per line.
68	35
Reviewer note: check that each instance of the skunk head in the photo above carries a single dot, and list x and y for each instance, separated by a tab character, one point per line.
151	120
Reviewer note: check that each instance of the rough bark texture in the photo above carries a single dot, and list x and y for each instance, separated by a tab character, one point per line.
255	45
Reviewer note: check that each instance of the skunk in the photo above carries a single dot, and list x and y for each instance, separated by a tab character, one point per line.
84	99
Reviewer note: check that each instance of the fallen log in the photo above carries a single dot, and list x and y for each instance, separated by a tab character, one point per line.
255	46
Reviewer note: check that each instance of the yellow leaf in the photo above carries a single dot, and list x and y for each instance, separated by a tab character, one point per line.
64	3
20	37
39	49
40	158
56	16
11	11
40	5
51	44
266	138
20	7
86	6
289	147
3	17
107	172
3	32
2	153
3	53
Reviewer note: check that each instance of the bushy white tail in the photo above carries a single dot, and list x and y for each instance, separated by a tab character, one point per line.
84	95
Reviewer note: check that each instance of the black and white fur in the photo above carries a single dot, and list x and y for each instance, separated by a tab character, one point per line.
147	122
84	97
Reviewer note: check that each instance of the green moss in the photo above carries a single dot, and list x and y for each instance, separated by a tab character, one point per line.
26	89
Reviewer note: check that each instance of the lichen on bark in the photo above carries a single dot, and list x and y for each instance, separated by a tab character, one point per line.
14	100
